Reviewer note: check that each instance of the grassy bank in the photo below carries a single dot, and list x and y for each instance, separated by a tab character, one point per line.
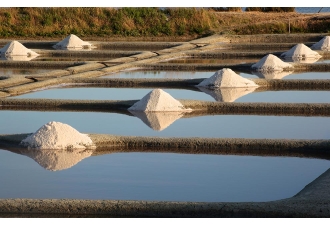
150	22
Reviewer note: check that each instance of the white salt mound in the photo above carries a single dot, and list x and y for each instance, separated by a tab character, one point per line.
300	51
323	44
271	62
56	135
158	100
72	41
226	78
15	48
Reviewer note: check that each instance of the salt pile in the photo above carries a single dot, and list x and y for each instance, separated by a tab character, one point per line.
323	44
55	160
72	41
158	100
271	63
158	120
15	48
300	51
227	94
226	78
56	135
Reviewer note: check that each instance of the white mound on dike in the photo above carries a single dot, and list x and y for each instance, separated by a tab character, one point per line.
323	44
158	100
300	51
72	41
226	78
271	62
15	48
56	135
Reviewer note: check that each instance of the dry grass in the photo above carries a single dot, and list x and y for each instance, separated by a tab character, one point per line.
151	22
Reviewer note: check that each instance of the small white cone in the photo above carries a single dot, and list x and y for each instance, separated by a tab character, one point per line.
56	135
300	51
72	41
15	48
271	62
323	44
158	100
226	78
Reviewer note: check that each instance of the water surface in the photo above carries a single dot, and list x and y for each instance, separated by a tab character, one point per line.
217	126
203	94
160	177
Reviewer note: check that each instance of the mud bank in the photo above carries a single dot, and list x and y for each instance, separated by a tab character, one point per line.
198	107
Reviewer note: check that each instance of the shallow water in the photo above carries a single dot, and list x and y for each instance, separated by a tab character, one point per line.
286	75
160	176
222	95
217	126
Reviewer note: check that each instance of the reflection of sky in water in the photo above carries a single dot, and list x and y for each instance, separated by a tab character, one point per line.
139	93
303	75
219	126
160	176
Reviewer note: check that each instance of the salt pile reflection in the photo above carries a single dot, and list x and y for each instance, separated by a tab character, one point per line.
272	74
158	120
302	60
18	57
55	159
227	94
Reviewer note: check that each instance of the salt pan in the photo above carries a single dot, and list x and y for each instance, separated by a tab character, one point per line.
271	62
158	100
56	135
226	78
